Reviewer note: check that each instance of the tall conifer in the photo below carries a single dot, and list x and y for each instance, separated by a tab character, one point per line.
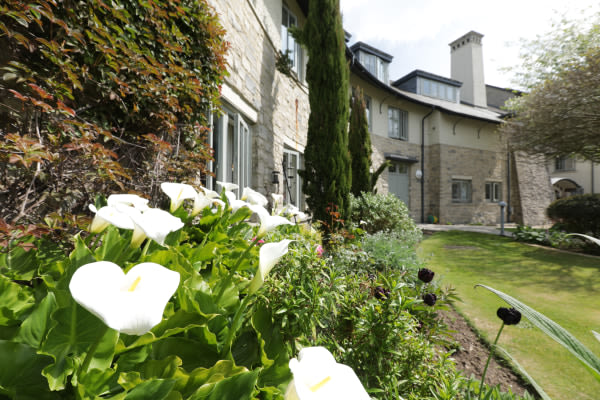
360	144
326	177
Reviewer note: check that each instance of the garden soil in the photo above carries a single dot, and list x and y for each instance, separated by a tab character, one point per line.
471	355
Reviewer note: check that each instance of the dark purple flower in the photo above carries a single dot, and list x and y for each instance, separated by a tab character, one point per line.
426	275
382	293
510	316
429	299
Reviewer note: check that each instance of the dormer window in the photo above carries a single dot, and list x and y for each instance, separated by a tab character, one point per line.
374	65
289	45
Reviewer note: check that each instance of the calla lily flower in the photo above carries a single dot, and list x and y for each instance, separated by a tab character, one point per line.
153	223
178	192
131	200
269	255
211	194
234	203
228	186
277	201
317	376
131	303
109	215
267	222
254	197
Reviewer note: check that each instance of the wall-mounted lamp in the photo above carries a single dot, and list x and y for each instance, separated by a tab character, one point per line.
275	177
419	174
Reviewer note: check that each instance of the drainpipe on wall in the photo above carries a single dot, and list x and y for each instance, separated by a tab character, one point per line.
423	164
592	177
508	207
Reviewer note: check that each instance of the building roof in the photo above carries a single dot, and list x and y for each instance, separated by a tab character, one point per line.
428	75
371	50
482	114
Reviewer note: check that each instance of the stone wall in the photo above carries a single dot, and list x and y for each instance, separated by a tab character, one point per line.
534	188
278	104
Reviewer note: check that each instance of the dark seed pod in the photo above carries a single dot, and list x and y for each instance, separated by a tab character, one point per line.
429	299
425	275
510	316
382	293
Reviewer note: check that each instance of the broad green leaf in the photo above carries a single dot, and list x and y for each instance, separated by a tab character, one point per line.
96	382
596	335
114	247
33	329
156	389
246	350
15	301
19	263
20	372
555	331
201	376
204	253
237	387
193	353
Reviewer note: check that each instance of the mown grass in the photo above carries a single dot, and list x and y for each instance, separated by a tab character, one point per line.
564	287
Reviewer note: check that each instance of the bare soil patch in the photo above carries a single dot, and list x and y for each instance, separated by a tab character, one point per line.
472	354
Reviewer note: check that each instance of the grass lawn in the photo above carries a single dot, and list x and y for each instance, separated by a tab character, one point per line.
564	287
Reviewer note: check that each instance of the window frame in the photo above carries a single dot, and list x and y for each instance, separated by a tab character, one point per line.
493	191
402	123
297	183
291	47
564	163
469	191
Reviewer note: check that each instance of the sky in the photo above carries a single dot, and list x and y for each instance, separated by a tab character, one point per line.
417	32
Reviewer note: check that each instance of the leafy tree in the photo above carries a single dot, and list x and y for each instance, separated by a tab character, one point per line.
97	95
560	113
360	144
326	177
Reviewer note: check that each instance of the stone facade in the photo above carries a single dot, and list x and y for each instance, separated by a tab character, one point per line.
275	106
535	191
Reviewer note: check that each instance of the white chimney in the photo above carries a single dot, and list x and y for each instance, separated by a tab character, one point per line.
466	66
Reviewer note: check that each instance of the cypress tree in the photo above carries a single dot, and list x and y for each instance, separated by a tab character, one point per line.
326	177
360	144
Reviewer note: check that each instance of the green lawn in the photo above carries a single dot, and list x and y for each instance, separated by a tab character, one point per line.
564	287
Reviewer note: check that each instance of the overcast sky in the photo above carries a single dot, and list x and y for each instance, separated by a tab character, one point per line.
417	32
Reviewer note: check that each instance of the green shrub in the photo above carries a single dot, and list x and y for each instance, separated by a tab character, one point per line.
381	212
546	237
578	214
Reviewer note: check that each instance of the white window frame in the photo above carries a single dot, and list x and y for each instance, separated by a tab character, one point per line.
233	163
289	45
368	111
462	191
493	192
375	65
397	123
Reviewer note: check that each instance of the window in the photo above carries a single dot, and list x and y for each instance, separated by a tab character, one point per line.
397	123
374	65
292	189
493	191
461	191
232	144
564	163
438	90
288	43
368	111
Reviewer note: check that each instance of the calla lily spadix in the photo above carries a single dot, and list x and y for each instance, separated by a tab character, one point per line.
268	222
178	192
269	255
317	376
131	303
153	223
253	197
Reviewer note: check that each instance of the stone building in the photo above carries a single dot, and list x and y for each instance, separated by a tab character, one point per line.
448	161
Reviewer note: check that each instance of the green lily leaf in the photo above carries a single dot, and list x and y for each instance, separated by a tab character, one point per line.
33	329
114	247
193	353
156	389
204	376
15	301
273	352
240	386
19	264
96	382
555	331
20	372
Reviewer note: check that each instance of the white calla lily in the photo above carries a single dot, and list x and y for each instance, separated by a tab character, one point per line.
131	200
228	186
211	194
109	215
317	376
277	202
269	255
155	224
268	222
234	203
253	197
131	303
178	192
